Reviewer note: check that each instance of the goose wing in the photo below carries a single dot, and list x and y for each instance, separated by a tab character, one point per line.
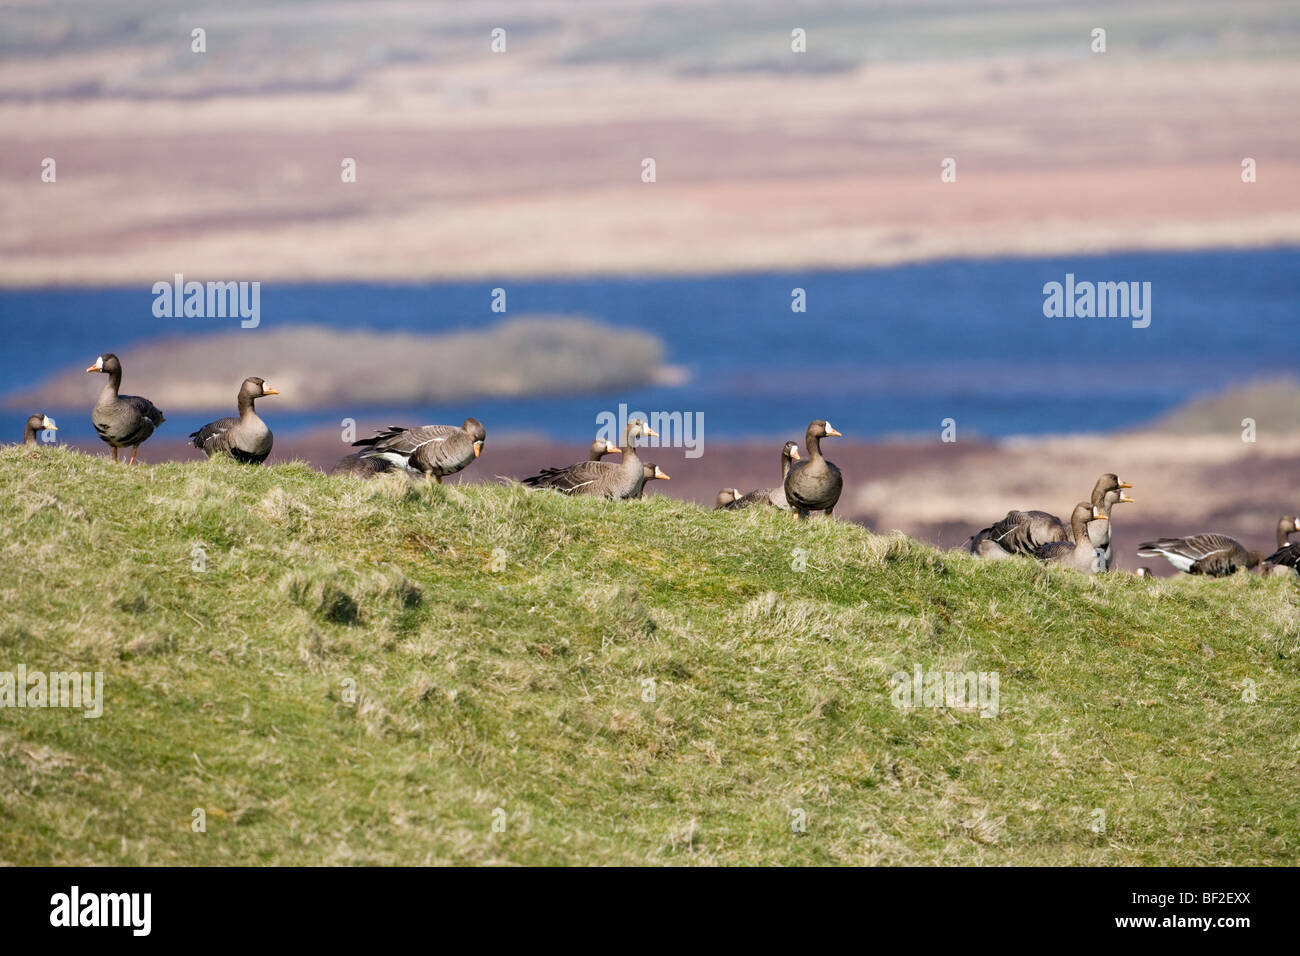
583	477
1287	556
213	438
1212	554
1020	532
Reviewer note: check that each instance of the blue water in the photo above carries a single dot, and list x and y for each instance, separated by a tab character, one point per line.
879	351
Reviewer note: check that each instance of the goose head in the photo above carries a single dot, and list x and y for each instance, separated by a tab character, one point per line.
107	363
791	451
603	446
636	428
652	472
727	495
255	387
822	429
40	423
474	428
1107	484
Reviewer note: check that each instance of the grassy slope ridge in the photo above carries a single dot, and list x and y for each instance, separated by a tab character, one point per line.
522	688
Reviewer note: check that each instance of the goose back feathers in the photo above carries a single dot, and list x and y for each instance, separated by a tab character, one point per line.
357	465
1286	559
814	484
1216	555
246	438
121	421
433	451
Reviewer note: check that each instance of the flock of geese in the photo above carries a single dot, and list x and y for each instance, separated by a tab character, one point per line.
809	485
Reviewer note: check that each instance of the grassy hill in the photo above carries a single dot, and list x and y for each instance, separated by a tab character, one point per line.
524	688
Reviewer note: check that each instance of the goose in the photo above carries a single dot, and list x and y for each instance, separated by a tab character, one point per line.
725	497
1286	559
358	466
246	438
433	451
601	478
602	447
771	496
651	472
1021	532
1216	555
1099	531
1079	555
37	423
814	484
122	420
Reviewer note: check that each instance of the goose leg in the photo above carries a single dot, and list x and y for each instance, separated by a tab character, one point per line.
114	452
134	450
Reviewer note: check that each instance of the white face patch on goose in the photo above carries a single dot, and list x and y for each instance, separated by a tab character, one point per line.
99	362
48	422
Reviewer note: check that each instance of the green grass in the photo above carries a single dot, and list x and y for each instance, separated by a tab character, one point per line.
522	688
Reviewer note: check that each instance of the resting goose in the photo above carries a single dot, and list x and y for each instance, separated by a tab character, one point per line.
1022	532
1286	559
122	420
37	423
651	472
772	496
601	478
725	497
814	484
358	466
1081	555
246	438
433	451
1216	555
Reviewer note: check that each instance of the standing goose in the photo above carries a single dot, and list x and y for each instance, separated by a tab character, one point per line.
725	497
246	438
433	451
772	496
1023	532
1099	531
651	472
122	420
815	484
1216	555
1080	555
1286	559
37	423
601	478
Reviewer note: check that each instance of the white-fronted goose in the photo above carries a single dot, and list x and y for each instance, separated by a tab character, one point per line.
814	484
1099	531
357	465
605	479
772	496
1286	559
651	472
725	497
602	447
1080	555
122	420
1023	532
246	438
1216	555
433	451
37	423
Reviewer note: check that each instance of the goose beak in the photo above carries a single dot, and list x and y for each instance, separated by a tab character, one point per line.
478	448
268	390
830	430
49	424
1297	524
651	432
1098	516
1125	484
613	450
1126	500
660	473
98	366
794	455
